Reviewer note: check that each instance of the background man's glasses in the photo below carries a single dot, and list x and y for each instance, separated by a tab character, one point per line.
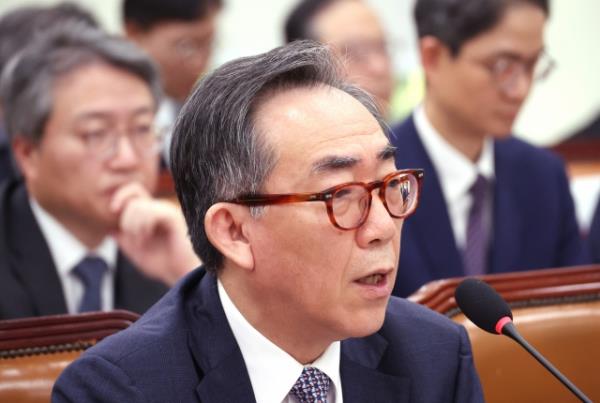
506	71
103	143
348	204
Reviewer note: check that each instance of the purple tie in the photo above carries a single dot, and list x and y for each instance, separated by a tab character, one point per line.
475	253
312	386
91	271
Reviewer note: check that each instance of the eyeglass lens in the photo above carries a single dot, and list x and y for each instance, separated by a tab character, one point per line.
351	204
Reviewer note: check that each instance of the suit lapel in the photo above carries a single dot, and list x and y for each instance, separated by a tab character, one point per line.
507	224
31	260
430	225
362	381
215	350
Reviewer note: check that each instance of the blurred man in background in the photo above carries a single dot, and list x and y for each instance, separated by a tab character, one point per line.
357	37
491	203
80	232
17	29
179	36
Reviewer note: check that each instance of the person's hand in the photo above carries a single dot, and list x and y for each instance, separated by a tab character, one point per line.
153	234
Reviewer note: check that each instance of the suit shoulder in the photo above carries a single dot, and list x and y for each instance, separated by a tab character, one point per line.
521	153
162	326
403	315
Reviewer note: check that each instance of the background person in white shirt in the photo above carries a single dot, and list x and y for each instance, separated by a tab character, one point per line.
491	203
287	181
79	107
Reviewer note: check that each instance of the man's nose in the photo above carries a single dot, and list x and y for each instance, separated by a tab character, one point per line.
125	153
379	227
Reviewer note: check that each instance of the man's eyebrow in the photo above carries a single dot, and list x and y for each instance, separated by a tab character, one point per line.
334	162
388	153
108	115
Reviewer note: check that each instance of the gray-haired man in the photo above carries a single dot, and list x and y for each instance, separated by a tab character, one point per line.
75	233
287	181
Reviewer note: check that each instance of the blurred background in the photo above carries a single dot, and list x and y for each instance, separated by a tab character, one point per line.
566	103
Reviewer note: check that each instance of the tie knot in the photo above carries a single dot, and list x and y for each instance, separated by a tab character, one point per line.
479	188
312	386
90	270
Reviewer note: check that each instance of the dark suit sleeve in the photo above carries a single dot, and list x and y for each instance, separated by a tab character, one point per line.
94	379
572	250
467	388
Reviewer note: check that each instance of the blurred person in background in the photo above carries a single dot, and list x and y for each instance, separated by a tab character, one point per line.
18	28
356	35
594	235
491	203
80	232
179	36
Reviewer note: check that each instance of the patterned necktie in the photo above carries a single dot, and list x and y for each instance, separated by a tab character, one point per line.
91	271
312	386
475	253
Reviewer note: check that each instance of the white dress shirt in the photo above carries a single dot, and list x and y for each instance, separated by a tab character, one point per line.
67	252
272	371
456	174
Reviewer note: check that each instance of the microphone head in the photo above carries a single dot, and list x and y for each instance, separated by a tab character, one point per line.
481	304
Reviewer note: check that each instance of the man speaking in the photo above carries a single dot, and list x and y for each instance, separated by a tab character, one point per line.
287	181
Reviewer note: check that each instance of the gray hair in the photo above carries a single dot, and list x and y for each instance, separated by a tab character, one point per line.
27	82
217	152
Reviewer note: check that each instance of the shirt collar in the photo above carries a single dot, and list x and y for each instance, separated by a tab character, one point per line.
65	249
273	371
455	171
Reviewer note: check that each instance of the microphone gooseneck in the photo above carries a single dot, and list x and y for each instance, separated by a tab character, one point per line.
488	311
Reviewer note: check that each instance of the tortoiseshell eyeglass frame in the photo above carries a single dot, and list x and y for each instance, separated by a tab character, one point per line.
326	196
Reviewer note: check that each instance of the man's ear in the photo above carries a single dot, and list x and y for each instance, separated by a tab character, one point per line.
431	51
224	225
134	31
26	154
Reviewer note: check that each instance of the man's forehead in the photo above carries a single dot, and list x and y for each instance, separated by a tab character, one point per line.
318	113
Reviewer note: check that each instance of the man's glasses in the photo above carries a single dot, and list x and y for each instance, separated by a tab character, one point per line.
103	143
348	204
506	71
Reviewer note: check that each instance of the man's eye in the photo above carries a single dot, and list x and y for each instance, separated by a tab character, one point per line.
98	135
142	130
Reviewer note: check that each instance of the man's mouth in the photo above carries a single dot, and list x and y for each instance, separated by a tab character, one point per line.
374	279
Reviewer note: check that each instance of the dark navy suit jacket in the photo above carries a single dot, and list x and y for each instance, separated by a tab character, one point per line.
594	236
29	282
183	350
534	223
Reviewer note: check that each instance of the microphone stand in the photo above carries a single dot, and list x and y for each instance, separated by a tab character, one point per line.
510	330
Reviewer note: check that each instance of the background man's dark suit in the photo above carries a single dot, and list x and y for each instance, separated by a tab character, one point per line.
533	224
418	356
29	282
594	236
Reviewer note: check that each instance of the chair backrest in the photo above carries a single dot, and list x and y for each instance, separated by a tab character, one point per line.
556	310
34	351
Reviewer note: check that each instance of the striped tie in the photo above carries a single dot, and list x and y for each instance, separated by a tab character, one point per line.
475	253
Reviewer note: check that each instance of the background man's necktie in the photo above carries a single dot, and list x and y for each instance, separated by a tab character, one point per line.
312	386
475	253
91	271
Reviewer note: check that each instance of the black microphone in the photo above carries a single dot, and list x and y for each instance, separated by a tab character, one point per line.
488	311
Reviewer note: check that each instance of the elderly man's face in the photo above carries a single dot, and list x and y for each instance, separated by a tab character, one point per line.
334	284
72	172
